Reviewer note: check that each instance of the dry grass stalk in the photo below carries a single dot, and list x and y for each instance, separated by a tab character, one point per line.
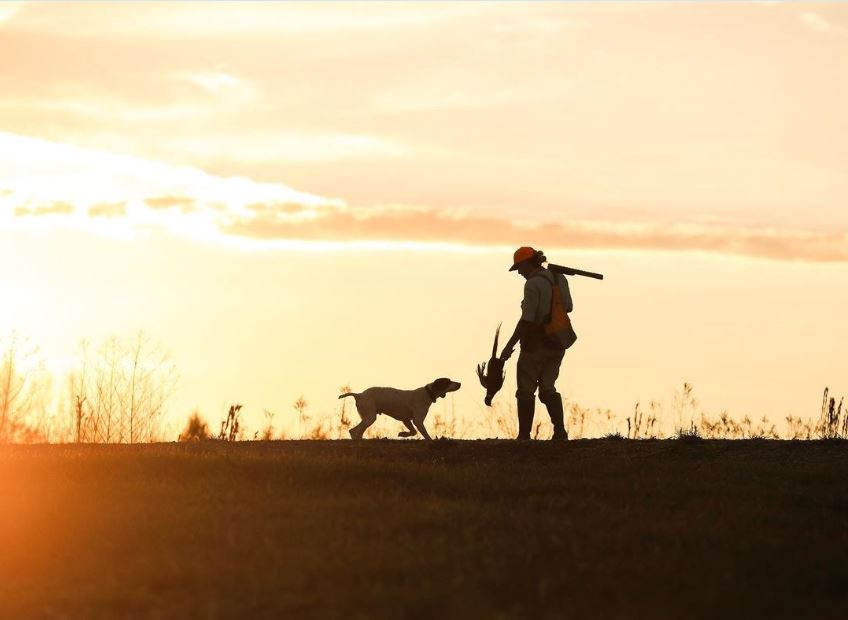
230	425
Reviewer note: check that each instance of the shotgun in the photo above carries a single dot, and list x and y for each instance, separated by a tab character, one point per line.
570	271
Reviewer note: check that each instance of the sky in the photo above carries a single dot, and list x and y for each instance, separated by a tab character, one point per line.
295	197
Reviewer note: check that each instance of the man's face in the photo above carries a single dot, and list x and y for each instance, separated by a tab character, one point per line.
526	268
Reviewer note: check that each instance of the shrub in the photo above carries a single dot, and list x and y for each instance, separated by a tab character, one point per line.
196	429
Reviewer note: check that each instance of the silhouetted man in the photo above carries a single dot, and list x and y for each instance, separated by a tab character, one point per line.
541	356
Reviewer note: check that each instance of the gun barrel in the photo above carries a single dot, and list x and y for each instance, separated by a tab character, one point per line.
571	271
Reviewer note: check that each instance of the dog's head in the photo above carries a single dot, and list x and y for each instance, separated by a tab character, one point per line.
441	386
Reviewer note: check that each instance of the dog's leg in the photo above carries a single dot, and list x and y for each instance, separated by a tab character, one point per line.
411	432
419	424
357	431
368	418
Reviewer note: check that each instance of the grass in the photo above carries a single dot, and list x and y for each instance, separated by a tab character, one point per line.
684	416
492	529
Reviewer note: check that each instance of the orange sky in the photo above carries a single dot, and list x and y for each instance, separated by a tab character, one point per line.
292	197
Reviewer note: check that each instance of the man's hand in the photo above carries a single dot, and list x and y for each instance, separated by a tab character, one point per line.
513	340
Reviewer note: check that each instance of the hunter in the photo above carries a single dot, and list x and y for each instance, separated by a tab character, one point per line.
541	355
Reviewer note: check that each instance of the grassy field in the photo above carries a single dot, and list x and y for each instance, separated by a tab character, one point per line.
490	529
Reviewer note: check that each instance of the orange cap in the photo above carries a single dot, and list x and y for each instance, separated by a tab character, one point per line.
522	254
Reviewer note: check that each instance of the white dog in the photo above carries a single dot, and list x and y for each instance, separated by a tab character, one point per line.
408	406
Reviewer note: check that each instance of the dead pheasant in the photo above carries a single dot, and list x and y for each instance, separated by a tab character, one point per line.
491	373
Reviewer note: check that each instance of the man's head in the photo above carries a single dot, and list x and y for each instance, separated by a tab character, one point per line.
526	260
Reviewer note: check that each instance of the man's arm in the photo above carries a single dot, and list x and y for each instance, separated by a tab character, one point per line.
520	329
528	313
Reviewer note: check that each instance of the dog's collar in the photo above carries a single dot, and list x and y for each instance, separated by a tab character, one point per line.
429	393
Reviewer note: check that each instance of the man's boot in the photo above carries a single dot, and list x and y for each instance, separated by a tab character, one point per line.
526	409
553	402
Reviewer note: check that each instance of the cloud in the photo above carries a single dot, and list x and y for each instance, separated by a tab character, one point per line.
818	23
276	208
141	97
533	28
166	202
241	19
108	209
8	10
80	186
285	145
117	194
432	226
54	208
212	81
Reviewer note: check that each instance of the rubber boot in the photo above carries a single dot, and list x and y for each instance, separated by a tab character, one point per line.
553	402
526	409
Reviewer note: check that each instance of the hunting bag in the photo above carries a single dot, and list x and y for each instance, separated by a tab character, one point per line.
557	325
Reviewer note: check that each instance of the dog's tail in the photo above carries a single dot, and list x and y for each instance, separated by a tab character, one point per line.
348	394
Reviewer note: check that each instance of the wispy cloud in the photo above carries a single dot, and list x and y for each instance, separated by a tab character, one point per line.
8	10
108	209
46	185
54	208
166	202
533	28
212	81
67	186
401	224
285	145
816	22
176	20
